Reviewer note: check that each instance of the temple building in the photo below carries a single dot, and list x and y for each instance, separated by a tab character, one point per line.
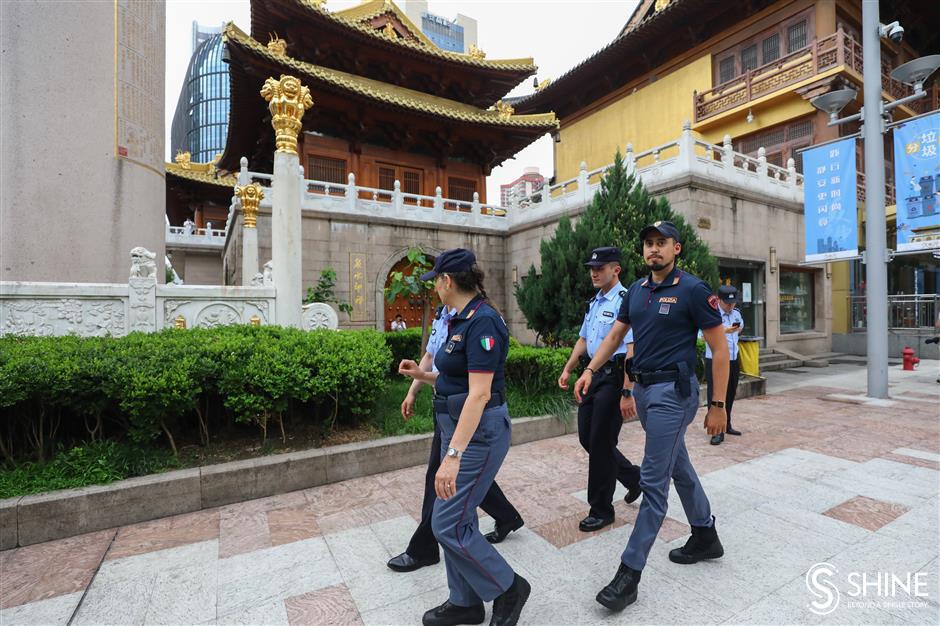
391	111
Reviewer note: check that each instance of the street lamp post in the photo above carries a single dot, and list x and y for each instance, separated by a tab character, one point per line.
872	116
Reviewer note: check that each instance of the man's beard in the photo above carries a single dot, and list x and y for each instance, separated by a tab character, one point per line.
657	266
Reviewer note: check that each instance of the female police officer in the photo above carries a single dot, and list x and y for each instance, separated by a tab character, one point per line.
470	409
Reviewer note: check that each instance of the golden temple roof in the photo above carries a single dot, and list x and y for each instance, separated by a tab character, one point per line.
391	94
354	17
201	173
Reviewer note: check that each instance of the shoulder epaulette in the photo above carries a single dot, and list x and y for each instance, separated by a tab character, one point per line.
623	293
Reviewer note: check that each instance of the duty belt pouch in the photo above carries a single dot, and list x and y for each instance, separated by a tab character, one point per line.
455	404
628	368
684	385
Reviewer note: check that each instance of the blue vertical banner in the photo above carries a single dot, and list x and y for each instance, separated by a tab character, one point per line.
917	183
829	201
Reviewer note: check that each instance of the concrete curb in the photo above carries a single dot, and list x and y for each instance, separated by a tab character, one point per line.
43	517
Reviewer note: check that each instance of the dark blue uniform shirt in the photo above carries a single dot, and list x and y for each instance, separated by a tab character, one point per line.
477	341
665	318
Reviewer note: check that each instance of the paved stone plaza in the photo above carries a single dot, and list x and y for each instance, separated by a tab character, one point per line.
818	477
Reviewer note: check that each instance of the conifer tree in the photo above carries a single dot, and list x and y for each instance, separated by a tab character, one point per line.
554	299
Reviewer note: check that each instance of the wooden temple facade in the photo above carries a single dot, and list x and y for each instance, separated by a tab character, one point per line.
388	105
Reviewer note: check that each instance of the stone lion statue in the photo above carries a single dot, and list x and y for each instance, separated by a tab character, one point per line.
143	264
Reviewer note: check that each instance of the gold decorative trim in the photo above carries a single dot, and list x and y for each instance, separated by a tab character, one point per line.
287	100
277	45
251	196
475	53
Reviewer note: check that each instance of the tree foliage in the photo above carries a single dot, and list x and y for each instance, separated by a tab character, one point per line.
410	285
553	299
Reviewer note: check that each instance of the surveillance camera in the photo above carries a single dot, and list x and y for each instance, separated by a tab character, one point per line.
893	31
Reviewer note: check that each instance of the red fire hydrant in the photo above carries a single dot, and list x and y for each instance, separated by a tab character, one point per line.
909	359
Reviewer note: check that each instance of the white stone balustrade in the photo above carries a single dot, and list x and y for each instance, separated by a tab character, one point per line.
684	157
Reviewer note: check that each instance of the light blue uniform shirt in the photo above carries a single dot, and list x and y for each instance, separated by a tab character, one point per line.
439	333
728	320
600	318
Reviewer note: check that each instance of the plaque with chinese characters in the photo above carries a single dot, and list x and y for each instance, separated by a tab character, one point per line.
358	297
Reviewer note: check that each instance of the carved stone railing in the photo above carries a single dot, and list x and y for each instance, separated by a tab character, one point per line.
182	236
672	161
838	49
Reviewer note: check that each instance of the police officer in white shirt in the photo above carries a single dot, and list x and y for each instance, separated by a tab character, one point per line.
733	322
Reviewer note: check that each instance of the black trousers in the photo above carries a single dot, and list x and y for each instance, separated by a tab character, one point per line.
734	372
423	545
599	423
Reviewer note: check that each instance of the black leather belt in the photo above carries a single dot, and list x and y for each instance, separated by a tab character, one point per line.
610	367
496	399
659	376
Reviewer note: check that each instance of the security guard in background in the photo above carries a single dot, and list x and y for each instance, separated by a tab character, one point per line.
599	418
733	324
470	409
423	548
665	311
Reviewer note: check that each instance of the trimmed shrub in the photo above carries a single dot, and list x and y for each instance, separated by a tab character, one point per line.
404	344
532	370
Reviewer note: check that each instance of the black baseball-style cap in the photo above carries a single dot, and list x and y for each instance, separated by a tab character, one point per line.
728	293
603	256
451	261
664	228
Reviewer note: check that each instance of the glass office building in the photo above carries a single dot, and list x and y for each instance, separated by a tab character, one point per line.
200	123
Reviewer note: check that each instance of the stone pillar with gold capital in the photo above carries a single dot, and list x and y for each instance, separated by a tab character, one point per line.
250	197
287	101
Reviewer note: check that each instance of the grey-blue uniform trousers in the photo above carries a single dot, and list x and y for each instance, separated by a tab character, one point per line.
665	319
478	341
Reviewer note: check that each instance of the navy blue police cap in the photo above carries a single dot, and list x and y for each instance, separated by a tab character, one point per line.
451	261
728	293
603	256
664	228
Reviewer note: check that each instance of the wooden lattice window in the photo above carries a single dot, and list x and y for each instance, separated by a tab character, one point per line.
411	181
749	58
326	169
780	143
461	189
771	48
796	36
386	177
726	70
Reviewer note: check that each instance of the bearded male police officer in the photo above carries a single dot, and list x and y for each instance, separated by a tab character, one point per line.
599	419
665	311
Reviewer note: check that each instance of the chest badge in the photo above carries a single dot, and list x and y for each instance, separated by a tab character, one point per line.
456	338
664	308
450	347
607	313
487	343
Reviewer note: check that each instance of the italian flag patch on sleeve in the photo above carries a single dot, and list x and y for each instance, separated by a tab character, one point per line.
487	343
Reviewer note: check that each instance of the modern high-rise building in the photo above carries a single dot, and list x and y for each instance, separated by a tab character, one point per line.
200	123
527	184
455	35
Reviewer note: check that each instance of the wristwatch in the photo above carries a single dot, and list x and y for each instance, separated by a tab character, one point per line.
626	393
454	452
717	403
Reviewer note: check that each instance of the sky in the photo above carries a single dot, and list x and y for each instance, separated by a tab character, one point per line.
558	34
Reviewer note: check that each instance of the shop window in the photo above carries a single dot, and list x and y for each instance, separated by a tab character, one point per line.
797	302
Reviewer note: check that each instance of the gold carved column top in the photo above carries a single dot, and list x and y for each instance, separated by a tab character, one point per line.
287	101
251	196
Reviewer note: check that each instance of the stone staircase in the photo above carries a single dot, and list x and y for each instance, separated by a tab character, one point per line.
772	361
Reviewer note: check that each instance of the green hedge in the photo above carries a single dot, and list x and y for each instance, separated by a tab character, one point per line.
63	389
404	344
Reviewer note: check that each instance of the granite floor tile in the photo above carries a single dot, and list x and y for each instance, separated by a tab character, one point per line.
50	569
292	524
866	512
243	531
48	612
331	606
168	532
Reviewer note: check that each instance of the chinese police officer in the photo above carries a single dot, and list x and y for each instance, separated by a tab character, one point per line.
599	418
732	324
665	311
